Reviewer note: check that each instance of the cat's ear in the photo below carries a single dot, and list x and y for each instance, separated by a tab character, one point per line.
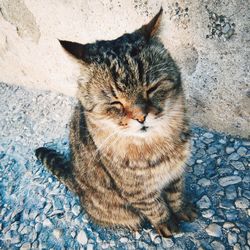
152	28
77	50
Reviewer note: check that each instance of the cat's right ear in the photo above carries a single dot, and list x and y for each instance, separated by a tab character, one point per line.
77	50
152	28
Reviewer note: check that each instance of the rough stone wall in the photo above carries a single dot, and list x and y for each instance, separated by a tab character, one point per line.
208	39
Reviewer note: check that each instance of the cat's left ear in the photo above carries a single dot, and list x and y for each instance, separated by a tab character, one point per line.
152	28
77	50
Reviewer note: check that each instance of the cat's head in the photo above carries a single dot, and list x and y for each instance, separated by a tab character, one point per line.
134	85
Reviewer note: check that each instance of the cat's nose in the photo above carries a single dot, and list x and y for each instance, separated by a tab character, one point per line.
140	113
142	118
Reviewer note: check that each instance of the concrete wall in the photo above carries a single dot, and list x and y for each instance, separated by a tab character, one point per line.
208	39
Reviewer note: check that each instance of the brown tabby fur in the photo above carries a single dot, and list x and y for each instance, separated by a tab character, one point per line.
129	134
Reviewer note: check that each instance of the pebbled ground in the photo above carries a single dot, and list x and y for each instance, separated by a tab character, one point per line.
37	212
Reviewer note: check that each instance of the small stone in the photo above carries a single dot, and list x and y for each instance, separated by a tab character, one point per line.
218	219
222	141
66	206
231	193
199	161
238	165
242	151
137	235
199	170
33	236
38	227
246	143
226	204
57	233
57	203
26	214
225	171
246	193
47	223
69	216
25	246
26	230
157	240
214	230
112	243
21	227
229	180
208	135
155	237
237	247
76	210
237	230
208	213
204	202
246	179
123	239
82	238
221	193
229	150
14	226
15	239
105	245
212	151
90	247
233	157
204	182
232	215
73	234
232	238
226	28
33	214
167	243
208	141
47	208
242	203
228	225
57	212
217	245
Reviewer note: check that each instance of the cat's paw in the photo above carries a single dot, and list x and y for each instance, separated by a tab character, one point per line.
189	213
169	228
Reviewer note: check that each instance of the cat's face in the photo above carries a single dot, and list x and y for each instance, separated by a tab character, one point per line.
134	85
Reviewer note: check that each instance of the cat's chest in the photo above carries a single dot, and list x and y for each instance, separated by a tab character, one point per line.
151	165
151	174
158	175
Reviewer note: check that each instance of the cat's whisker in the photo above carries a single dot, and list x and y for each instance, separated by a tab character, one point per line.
98	149
111	146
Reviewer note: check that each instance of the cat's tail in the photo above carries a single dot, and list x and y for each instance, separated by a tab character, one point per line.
57	165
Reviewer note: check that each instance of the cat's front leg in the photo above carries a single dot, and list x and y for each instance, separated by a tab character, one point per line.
174	196
156	211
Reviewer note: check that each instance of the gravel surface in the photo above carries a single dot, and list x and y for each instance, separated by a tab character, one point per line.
37	212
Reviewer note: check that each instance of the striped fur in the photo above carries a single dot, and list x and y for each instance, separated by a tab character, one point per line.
129	134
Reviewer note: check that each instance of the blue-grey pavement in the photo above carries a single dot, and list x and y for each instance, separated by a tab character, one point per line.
37	212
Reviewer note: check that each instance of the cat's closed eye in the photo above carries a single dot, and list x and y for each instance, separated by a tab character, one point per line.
116	104
115	107
165	86
152	89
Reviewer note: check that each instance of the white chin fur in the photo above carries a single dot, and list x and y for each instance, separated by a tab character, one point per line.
154	126
134	128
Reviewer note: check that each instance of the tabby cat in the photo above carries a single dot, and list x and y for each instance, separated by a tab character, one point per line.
129	135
